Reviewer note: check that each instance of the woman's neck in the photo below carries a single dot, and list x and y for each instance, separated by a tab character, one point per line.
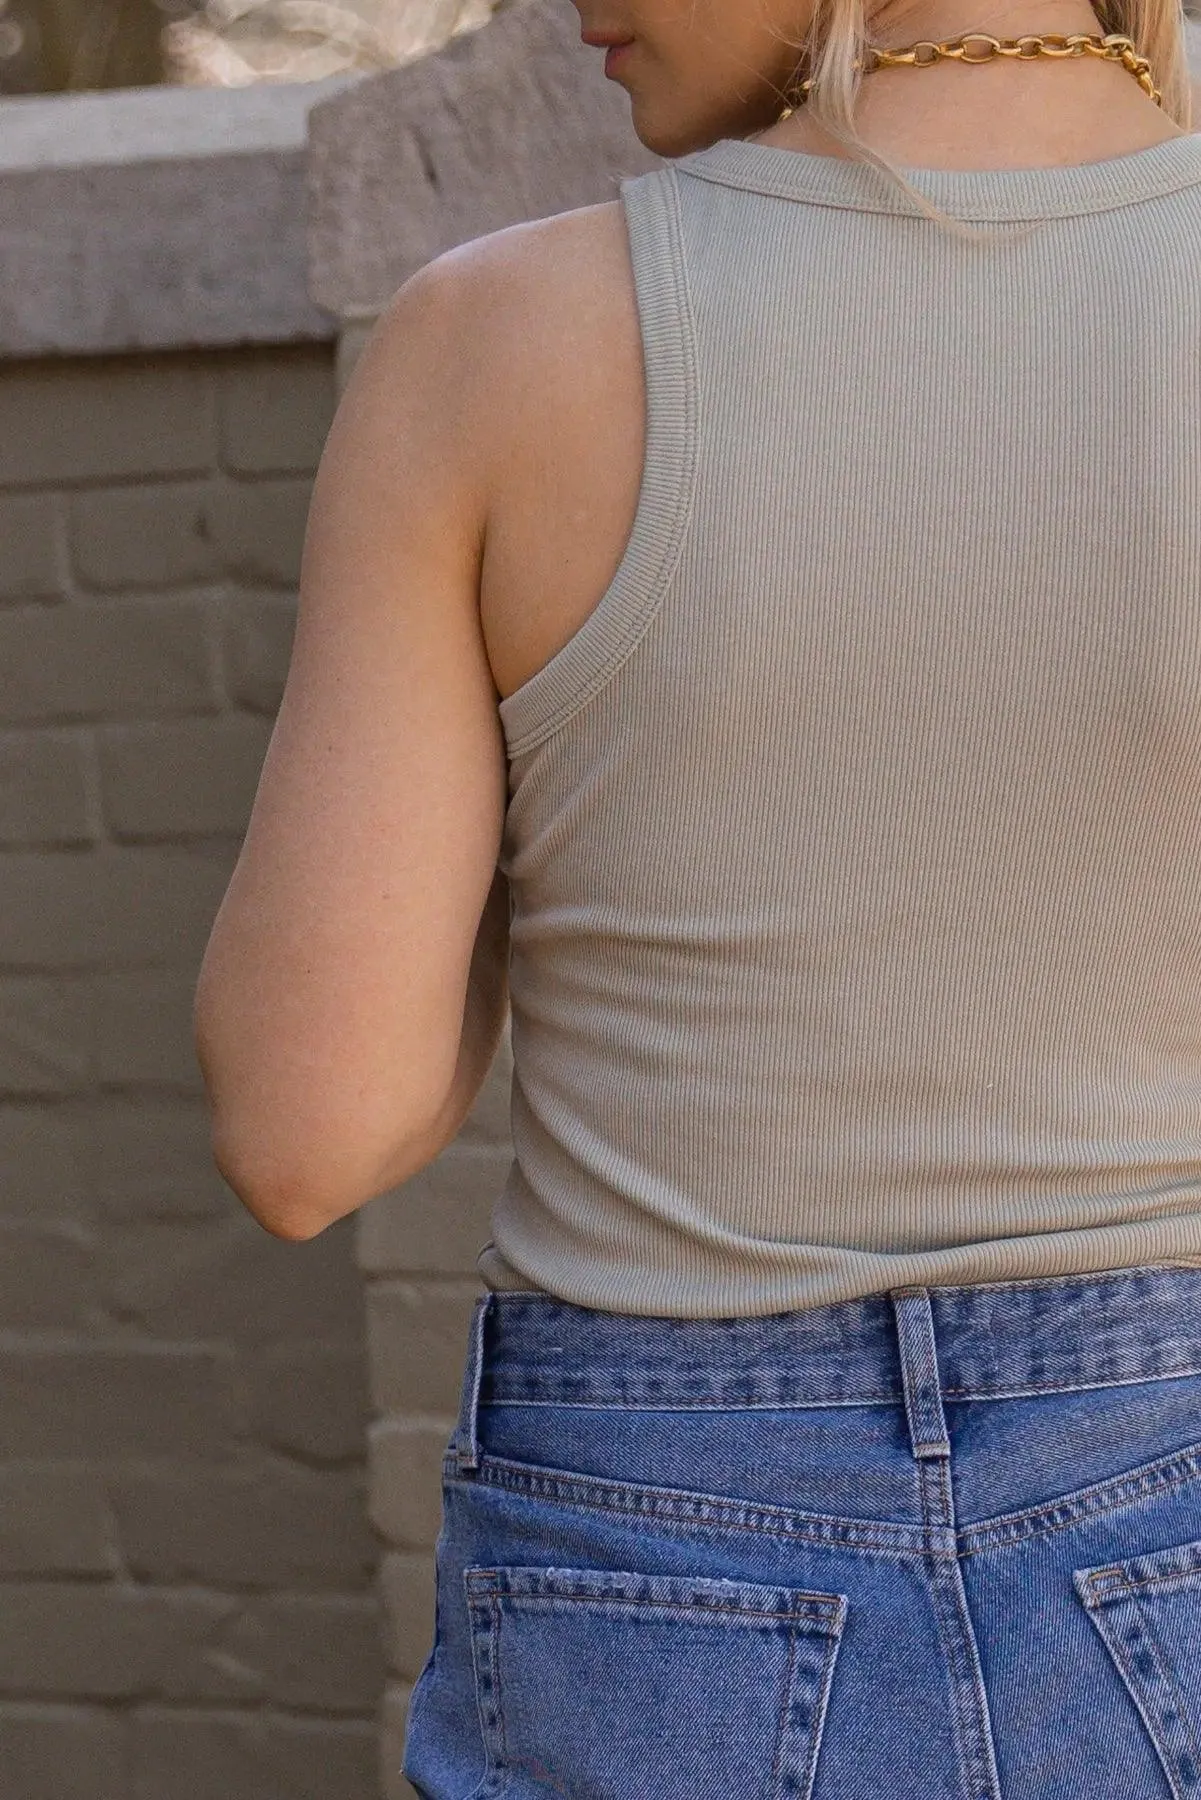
1001	114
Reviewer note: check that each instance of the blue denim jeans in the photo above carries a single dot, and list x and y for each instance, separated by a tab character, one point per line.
937	1544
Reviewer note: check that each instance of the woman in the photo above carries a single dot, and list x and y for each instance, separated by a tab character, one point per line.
831	1426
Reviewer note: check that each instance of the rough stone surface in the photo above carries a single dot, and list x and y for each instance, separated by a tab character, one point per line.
260	1523
180	779
230	1280
32	563
145	218
142	1032
511	122
198	1755
56	1752
187	1564
44	1175
44	1036
127	907
146	536
93	1398
44	789
55	1519
310	1399
111	659
273	415
94	419
417	1340
47	1279
258	528
147	1158
405	1465
257	646
99	1640
407	1583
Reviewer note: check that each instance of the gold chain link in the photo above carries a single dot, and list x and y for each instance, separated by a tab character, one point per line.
923	55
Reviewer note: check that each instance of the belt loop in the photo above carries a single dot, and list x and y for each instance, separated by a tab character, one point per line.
467	1447
919	1372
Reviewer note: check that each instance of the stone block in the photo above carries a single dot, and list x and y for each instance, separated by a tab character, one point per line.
54	1520
274	410
142	1023
262	1525
394	1712
98	1640
181	778
310	1399
417	1343
112	659
313	1651
46	1277
149	1159
162	215
258	647
32	560
45	1036
511	122
227	1278
44	1173
183	1755
152	536
437	1223
258	528
44	789
130	907
50	1752
408	1589
405	1479
98	420
99	1400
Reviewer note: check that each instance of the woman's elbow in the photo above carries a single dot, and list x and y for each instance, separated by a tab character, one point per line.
280	1203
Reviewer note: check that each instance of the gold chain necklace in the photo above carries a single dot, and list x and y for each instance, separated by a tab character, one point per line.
924	55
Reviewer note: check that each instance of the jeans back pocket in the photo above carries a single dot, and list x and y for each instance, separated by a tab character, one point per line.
619	1686
1148	1611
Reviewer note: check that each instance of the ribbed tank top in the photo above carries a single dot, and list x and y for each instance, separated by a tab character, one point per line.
854	839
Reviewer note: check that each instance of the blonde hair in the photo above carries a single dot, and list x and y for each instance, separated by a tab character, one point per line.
838	36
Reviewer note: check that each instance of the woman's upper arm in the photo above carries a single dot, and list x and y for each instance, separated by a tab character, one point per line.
330	1003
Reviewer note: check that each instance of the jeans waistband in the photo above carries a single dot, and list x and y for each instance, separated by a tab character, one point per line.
994	1340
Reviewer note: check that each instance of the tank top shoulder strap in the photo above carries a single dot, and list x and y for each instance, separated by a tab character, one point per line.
625	610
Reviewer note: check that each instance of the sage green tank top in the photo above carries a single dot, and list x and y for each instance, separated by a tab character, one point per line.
854	839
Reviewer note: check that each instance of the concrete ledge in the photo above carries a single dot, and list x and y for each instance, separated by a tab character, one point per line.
157	218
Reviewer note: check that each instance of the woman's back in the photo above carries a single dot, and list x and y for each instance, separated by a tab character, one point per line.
829	824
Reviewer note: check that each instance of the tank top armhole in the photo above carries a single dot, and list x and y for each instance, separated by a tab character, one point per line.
612	630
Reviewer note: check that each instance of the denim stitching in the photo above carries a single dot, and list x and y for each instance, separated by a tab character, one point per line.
1092	1502
1121	1655
714	1512
1120	1588
815	1403
785	1712
483	1634
705	1510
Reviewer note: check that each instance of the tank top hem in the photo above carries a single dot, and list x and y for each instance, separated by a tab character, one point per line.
829	1274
